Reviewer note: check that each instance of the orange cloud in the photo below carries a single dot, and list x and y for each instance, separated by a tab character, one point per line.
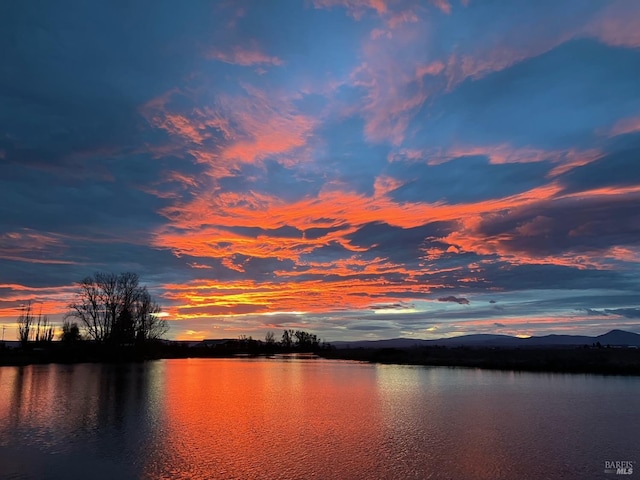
201	299
331	208
623	254
238	129
203	227
352	266
385	184
50	300
228	262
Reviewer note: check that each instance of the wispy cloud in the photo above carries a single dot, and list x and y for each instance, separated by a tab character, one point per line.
243	56
625	125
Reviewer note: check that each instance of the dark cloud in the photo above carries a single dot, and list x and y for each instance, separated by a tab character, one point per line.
592	312
282	232
625	312
537	277
369	327
396	243
460	300
567	225
620	168
393	306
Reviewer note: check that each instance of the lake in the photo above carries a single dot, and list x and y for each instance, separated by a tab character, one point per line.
311	418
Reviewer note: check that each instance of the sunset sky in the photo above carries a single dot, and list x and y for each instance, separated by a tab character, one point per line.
360	169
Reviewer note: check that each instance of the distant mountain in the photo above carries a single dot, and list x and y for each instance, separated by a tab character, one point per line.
619	337
390	343
615	338
558	340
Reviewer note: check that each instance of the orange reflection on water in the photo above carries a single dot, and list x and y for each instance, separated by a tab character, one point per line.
266	419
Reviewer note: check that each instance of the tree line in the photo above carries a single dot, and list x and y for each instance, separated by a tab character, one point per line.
291	341
116	310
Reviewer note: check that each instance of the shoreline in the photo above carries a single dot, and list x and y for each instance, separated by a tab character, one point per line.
603	361
606	361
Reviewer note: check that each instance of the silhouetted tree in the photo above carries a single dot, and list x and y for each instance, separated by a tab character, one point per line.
34	329
70	332
270	338
25	324
44	329
116	309
287	338
305	340
147	324
299	339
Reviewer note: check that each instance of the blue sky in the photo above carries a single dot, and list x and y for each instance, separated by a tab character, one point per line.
355	168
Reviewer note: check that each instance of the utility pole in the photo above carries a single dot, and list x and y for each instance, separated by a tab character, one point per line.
3	327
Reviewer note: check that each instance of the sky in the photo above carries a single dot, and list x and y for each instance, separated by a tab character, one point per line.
359	169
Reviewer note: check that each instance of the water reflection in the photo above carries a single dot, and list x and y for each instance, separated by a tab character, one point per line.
298	418
80	417
471	423
265	419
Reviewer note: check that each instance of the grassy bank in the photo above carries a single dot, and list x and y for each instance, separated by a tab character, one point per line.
90	352
619	361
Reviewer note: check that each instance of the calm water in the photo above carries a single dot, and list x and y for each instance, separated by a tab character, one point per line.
242	418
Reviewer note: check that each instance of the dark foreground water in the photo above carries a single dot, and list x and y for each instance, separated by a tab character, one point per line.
296	418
